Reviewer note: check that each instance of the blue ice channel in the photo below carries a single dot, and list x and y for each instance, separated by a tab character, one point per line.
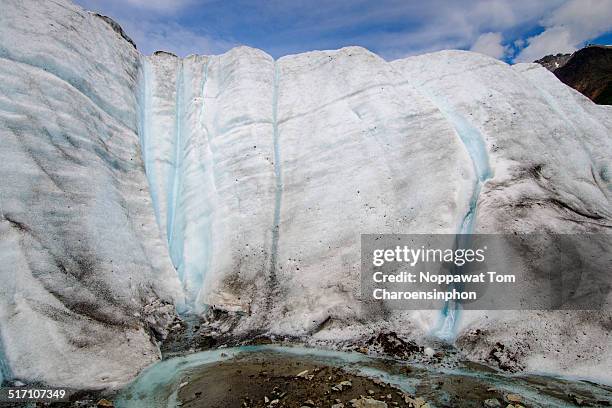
188	212
278	176
5	370
144	131
174	231
475	145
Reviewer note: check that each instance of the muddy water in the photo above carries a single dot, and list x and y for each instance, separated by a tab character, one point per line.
255	376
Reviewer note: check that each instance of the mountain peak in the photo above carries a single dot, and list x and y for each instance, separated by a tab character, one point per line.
588	70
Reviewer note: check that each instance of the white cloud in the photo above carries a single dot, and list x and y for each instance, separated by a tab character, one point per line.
392	28
490	44
153	27
568	27
441	24
160	5
151	36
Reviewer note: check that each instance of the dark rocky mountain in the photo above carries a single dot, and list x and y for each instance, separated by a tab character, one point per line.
588	70
552	62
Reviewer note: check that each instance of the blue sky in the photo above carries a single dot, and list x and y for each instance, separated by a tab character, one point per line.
512	30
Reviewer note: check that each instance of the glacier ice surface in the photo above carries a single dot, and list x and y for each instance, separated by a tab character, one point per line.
136	184
85	275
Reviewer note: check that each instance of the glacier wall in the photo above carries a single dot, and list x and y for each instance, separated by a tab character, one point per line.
250	208
447	142
549	151
85	275
137	184
208	150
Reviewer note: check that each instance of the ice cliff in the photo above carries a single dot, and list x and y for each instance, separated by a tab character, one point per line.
85	274
135	184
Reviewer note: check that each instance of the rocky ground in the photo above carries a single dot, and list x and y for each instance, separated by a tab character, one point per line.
408	375
267	378
276	380
272	380
259	382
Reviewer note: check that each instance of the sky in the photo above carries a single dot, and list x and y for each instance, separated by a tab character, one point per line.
511	30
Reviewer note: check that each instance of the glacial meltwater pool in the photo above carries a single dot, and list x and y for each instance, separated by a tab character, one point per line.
268	375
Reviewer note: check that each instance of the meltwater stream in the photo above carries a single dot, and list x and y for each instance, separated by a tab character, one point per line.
476	147
5	370
180	119
463	384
